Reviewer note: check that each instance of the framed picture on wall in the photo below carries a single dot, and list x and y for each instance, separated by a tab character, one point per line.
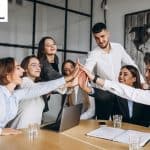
137	35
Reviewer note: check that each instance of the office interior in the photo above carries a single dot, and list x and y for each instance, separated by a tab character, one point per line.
69	22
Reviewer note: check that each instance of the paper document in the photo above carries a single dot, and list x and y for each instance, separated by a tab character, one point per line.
119	135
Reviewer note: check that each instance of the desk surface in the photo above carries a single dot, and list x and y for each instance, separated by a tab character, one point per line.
74	139
78	133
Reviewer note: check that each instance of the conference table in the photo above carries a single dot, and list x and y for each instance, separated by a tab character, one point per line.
71	139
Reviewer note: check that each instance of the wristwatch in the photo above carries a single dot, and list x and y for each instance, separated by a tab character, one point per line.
95	78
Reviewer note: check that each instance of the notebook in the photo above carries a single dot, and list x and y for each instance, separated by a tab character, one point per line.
69	117
119	135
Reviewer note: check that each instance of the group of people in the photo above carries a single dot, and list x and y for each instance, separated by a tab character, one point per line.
26	88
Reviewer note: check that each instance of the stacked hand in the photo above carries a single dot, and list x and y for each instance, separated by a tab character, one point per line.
81	77
84	79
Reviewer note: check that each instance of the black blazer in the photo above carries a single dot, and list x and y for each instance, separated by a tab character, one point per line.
121	107
140	114
49	71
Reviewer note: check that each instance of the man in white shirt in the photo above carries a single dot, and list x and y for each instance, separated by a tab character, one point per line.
106	60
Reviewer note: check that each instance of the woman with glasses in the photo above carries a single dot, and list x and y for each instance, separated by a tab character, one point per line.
30	111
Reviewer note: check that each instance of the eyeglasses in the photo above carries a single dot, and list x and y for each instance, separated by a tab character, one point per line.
36	65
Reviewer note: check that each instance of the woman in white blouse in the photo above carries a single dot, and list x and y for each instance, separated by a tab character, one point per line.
10	77
30	111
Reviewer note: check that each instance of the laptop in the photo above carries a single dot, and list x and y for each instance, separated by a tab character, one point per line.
70	117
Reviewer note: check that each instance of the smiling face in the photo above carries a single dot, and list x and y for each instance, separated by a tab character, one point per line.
102	39
33	69
68	68
50	47
15	76
126	77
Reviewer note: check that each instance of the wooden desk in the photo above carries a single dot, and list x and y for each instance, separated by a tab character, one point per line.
72	139
78	133
47	140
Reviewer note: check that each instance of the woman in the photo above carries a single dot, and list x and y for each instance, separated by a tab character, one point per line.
131	111
136	95
47	55
30	111
76	95
10	77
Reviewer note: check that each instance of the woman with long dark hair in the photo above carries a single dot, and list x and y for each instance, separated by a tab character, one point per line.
129	77
47	50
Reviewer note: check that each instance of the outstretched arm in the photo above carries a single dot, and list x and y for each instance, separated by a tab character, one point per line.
136	95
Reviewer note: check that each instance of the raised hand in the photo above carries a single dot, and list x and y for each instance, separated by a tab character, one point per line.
72	83
83	82
88	73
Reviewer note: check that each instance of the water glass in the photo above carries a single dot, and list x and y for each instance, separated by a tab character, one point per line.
33	131
134	142
117	121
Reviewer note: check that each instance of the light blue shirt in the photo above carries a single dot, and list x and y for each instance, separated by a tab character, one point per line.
9	101
130	106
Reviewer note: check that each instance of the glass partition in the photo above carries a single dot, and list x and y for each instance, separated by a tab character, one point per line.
18	29
75	56
55	2
80	5
17	53
50	22
78	35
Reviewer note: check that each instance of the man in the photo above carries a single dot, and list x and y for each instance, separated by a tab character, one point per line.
106	60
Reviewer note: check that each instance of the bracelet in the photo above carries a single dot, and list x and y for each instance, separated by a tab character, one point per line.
95	78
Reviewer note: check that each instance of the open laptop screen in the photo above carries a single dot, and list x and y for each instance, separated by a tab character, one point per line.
69	117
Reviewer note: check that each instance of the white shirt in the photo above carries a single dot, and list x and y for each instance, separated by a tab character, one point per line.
29	111
9	101
107	65
90	112
136	95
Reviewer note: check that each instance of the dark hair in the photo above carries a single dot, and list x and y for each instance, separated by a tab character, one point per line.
147	58
98	27
65	62
41	54
7	65
135	73
25	63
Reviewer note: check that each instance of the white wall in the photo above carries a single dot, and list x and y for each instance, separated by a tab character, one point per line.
115	15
